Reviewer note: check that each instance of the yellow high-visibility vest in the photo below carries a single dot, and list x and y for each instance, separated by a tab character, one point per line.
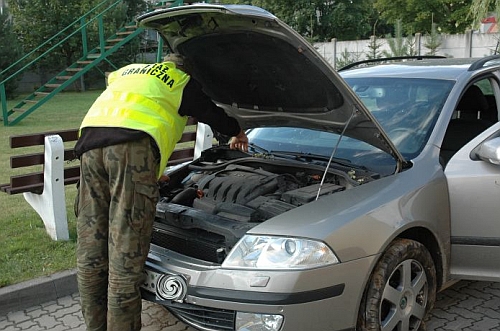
143	97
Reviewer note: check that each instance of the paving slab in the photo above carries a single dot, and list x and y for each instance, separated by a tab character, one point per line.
36	291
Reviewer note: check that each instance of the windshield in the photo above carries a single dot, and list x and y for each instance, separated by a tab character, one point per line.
317	146
406	108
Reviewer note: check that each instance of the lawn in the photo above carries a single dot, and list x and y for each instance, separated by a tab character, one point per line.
26	251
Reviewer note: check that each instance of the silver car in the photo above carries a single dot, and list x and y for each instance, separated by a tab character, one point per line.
365	191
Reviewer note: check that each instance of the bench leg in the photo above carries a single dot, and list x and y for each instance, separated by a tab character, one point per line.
51	204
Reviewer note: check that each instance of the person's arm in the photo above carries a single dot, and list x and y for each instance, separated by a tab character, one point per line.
197	104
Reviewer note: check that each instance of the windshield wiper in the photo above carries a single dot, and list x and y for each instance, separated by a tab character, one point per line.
310	156
258	149
301	156
262	152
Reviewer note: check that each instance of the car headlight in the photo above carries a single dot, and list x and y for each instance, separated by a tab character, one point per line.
267	252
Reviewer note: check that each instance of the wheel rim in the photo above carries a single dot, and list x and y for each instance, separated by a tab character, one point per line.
404	299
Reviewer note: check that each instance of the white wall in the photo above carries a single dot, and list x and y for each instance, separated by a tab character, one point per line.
458	46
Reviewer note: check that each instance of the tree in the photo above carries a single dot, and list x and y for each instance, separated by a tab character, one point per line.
433	41
411	45
321	20
399	45
36	21
346	58
135	7
374	47
419	15
481	8
9	49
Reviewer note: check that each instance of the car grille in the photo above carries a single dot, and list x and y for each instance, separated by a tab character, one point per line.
200	245
204	317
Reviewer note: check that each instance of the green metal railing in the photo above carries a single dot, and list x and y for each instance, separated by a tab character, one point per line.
88	60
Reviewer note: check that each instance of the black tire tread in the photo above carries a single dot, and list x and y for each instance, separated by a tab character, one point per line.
400	250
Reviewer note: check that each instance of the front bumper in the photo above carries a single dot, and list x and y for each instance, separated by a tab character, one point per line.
318	299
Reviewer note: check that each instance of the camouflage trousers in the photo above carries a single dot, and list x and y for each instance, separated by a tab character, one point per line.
115	209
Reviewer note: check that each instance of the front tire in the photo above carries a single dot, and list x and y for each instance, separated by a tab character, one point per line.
401	290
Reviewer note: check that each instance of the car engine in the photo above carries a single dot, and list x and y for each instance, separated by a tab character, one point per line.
209	204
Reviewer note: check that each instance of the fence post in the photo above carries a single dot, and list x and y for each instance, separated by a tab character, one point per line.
468	43
418	43
334	42
51	204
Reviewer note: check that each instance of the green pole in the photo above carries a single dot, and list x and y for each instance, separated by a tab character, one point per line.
3	97
84	36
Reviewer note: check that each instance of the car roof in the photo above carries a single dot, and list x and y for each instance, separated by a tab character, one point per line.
430	68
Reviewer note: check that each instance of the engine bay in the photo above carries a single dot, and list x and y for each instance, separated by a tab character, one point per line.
224	193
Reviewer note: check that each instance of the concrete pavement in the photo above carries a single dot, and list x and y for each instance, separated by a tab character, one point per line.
467	306
64	314
37	291
52	303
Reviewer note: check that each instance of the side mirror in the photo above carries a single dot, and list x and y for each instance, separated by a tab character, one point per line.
489	151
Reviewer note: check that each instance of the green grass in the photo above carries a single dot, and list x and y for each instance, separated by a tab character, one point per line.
26	250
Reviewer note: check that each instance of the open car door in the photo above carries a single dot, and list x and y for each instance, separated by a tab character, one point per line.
473	175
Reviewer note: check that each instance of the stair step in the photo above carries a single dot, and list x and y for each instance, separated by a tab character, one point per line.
130	26
93	55
63	77
115	40
124	33
84	62
19	110
42	93
74	69
30	101
52	85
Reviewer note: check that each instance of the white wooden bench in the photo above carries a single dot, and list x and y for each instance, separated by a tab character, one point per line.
44	190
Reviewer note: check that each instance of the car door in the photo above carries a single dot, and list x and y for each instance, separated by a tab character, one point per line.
473	175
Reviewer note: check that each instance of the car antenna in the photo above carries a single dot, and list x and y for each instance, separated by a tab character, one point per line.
333	153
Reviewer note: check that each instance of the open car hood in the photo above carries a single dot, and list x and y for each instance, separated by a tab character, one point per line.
264	73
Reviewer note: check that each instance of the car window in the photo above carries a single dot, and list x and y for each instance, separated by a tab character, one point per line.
407	109
475	111
302	141
485	86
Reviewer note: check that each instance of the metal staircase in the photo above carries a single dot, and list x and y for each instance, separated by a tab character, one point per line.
87	61
69	75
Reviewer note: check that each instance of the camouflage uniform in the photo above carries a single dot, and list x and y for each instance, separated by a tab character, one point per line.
119	181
